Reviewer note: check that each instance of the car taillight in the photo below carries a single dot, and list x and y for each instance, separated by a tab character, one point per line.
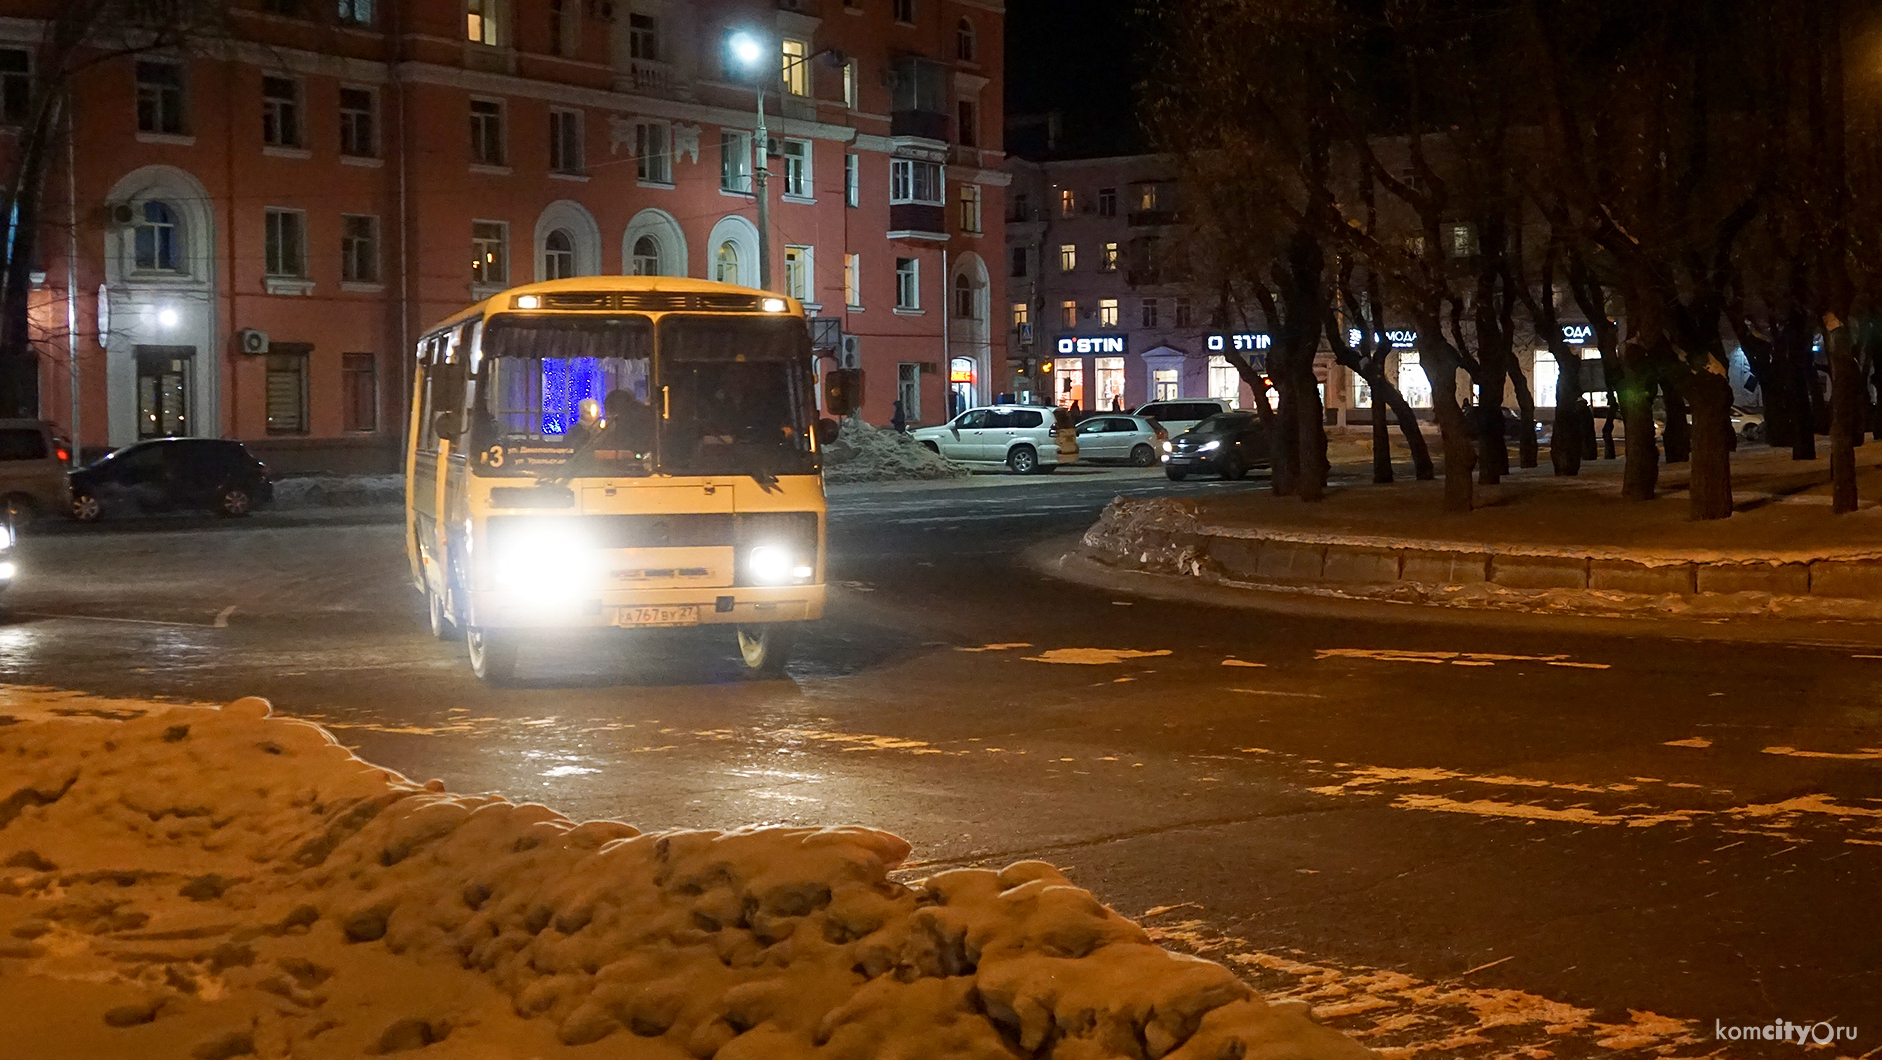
65	455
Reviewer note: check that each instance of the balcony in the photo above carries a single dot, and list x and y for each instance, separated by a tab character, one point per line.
648	77
919	124
1153	218
1143	277
916	220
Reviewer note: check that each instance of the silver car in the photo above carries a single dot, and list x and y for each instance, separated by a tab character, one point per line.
1026	438
1137	439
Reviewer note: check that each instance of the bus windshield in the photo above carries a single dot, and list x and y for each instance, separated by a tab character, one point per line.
731	395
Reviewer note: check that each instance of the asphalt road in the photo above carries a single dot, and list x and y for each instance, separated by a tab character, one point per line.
1476	841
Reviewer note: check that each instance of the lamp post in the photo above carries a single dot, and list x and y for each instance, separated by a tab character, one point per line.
750	53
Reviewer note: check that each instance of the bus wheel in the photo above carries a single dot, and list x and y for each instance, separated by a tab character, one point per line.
492	655
767	648
441	627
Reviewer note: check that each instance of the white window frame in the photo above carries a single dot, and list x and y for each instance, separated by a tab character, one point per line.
562	145
735	162
852	85
351	254
281	116
853	280
852	179
274	265
908	284
1107	257
480	274
639	262
1022	315
168	101
489	131
1107	312
906	187
799	174
573	270
1068	257
653	152
800	273
483	22
970	208
349	124
794	67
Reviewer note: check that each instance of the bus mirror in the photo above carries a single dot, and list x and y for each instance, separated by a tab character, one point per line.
447	425
827	430
843	391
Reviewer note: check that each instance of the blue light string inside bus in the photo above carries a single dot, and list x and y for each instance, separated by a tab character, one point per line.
565	383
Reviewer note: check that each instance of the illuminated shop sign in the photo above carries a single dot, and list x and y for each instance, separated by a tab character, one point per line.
1403	339
1106	344
1578	334
1244	342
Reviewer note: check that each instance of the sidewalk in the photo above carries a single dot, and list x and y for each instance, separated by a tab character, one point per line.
1536	542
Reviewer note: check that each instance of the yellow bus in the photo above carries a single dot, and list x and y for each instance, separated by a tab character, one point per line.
617	452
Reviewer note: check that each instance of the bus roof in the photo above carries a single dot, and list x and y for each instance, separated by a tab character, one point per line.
610	284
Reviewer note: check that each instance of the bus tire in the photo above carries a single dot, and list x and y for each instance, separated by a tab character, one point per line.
492	655
441	626
766	648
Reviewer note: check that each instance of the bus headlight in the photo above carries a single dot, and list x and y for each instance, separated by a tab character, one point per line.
777	565
7	570
6	536
551	556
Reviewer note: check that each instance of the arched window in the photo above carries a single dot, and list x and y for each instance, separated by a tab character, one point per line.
558	255
964	41
647	256
725	269
155	240
964	298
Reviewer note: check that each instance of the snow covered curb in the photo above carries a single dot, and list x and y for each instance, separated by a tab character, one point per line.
863	453
338	491
1166	536
193	882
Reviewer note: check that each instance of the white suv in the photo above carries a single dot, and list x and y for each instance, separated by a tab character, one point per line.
1026	438
1179	415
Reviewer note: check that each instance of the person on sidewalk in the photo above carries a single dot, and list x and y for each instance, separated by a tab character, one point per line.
899	422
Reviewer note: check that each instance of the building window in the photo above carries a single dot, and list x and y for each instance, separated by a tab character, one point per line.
1020	263
482	19
1022	207
1151	313
356	12
646	256
160	98
1545	375
486	127
1068	257
908	390
1068	203
853	280
964	41
643	38
358	137
1461	240
969	132
359	249
565	141
1107	258
1224	381
797	156
795	65
1107	313
907	283
490	253
735	161
286	243
154	242
287	393
359	392
1412	381
1107	202
558	256
1185	317
798	274
905	10
966	299
1167	384
280	112
1110	379
1068	314
1022	315
653	155
852	85
725	263
970	208
16	84
853	179
565	26
915	181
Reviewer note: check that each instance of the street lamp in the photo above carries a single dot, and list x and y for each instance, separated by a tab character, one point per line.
749	52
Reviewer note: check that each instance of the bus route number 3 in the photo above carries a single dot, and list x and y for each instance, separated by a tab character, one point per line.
493	457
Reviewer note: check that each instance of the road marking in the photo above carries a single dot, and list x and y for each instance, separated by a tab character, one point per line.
1094	656
1455	658
995	647
1691	741
1241	662
1270	692
222	617
1866	754
106	618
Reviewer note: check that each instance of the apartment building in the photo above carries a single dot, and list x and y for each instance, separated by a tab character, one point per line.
265	223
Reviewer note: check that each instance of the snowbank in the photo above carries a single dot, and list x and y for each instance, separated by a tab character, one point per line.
220	883
866	454
339	491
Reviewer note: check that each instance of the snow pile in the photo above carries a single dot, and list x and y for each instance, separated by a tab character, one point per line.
216	884
868	454
339	491
1160	536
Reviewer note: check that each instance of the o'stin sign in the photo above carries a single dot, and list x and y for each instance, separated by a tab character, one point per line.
1099	344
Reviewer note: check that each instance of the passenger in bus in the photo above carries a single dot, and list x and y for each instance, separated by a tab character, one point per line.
588	425
630	424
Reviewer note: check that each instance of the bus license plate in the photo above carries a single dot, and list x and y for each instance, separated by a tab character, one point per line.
687	615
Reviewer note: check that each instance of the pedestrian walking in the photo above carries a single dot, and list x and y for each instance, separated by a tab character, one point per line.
899	421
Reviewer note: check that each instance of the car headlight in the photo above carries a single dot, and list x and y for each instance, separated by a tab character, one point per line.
777	565
6	536
7	571
1167	447
1209	447
553	556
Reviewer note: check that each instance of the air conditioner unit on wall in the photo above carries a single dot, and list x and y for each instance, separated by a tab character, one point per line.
852	352
121	214
252	341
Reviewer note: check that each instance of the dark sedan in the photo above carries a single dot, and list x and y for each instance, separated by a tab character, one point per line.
172	474
1229	444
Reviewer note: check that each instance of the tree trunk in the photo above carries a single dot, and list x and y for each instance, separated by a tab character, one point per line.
1875	405
1846	416
1679	441
1803	380
1565	436
1525	416
1423	470
1641	476
1381	444
1607	428
1711	492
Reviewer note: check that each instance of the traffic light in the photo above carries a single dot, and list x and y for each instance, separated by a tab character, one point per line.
842	391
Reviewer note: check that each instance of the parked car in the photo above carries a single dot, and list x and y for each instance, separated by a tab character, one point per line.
33	461
1229	444
1026	438
1748	424
1179	416
1138	439
171	474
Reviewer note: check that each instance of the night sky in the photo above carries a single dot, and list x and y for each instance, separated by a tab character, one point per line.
1078	57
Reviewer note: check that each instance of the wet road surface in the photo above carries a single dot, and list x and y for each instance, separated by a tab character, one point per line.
1456	841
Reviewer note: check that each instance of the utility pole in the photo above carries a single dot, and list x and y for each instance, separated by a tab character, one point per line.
763	148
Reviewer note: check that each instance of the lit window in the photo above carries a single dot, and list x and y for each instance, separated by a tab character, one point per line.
796	67
798	274
490	253
1107	258
852	84
1147	198
853	280
1022	315
481	21
1068	203
1107	313
1168	383
1068	257
1463	241
1225	382
907	283
1068	314
1412	381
